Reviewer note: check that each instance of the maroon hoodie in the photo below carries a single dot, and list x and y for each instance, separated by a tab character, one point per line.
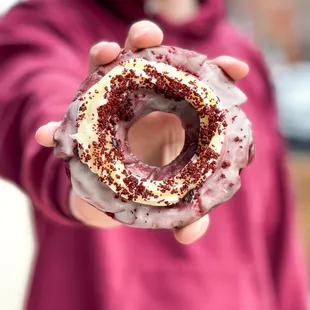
250	259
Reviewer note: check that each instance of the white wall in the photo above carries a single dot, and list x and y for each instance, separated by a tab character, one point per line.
6	4
17	246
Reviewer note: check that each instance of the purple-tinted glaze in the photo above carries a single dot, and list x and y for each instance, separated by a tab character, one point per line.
237	149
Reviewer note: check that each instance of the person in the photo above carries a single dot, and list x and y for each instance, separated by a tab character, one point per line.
250	258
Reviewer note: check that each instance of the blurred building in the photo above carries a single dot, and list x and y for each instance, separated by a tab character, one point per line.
280	27
303	27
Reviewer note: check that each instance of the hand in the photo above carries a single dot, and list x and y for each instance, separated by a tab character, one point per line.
141	35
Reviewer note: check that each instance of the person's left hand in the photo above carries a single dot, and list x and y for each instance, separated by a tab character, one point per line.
170	139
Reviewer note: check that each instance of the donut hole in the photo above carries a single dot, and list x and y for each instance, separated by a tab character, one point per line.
157	139
161	137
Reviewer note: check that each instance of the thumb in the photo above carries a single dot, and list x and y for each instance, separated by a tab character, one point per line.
45	134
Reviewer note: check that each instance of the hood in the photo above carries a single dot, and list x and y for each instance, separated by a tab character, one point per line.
211	11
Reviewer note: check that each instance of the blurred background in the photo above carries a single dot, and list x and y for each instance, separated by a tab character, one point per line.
281	28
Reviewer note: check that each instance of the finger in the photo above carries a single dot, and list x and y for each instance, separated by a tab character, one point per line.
235	68
143	34
102	53
88	214
45	134
192	232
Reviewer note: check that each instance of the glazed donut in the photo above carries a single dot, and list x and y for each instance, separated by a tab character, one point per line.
93	138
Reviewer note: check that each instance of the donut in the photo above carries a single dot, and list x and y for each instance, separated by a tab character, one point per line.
93	138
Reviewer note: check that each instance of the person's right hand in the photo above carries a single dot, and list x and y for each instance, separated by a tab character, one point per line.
141	35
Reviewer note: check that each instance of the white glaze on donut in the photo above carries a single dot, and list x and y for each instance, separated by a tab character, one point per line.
179	184
221	185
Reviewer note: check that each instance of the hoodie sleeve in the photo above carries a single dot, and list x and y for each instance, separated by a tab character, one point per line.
286	258
38	81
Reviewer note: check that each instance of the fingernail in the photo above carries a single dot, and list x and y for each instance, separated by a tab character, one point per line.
141	31
98	46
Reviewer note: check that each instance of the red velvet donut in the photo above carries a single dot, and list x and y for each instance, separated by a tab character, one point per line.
92	138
